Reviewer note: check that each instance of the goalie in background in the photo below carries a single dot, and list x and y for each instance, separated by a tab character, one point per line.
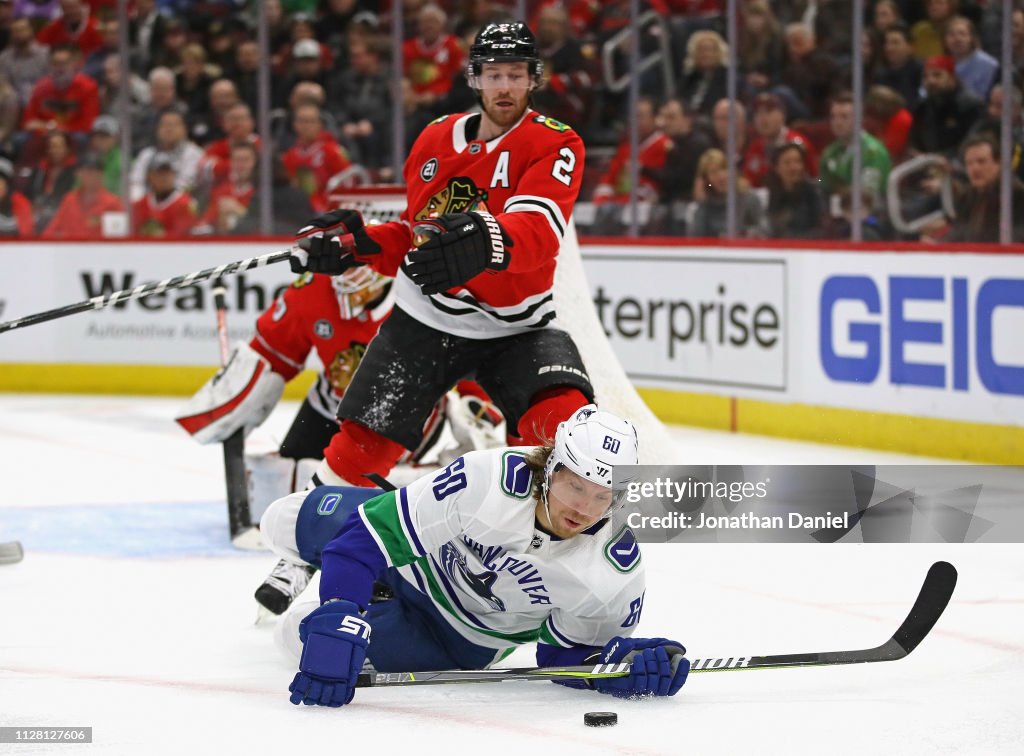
501	548
336	317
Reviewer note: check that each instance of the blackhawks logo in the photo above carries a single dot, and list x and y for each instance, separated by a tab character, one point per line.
551	123
460	195
344	364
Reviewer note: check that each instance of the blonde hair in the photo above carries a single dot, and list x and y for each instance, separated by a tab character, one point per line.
695	39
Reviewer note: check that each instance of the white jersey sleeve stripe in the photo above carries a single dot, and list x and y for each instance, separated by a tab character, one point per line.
556	634
407	526
524	203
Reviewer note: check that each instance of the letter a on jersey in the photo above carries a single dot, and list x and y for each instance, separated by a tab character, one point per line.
500	176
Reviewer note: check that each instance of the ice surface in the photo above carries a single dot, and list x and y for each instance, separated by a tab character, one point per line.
132	614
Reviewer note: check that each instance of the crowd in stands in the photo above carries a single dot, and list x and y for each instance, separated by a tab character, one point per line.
930	146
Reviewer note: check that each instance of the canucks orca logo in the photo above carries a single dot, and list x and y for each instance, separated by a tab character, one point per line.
454	563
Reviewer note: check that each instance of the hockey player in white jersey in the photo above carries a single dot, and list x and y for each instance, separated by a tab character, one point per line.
503	547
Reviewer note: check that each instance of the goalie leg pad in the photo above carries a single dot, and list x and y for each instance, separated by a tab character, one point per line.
242	394
356	450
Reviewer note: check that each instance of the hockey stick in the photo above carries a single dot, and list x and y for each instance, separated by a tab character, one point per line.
243	534
929	606
142	290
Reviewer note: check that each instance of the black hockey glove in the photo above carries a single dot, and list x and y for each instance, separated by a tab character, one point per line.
330	244
462	245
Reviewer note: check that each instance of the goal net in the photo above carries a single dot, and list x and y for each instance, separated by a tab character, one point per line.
576	314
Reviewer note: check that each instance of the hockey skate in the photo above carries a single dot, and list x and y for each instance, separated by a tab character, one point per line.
286	581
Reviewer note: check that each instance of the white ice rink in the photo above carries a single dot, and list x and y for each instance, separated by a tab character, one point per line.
132	614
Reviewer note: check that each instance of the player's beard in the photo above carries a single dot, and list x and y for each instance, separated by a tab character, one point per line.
505	117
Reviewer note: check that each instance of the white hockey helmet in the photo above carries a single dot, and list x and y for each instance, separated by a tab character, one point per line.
591	443
356	288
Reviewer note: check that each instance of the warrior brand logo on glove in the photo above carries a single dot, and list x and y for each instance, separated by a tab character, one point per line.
497	242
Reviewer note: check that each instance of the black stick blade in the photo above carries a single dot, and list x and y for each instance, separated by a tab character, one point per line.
931	603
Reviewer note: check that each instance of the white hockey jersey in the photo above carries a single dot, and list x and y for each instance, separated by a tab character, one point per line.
467	537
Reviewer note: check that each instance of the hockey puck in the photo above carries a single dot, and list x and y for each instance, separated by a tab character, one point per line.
600	718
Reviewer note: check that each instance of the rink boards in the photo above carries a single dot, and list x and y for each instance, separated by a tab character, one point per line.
913	351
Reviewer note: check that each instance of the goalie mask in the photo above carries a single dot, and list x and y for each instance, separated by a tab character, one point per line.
591	443
356	288
504	43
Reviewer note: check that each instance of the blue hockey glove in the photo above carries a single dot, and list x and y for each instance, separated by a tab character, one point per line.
459	247
334	639
330	244
658	667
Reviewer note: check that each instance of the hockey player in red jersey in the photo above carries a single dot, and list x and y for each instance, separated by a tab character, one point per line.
489	196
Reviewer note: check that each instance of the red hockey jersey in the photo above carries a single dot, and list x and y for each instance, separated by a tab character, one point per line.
307	316
171	218
528	178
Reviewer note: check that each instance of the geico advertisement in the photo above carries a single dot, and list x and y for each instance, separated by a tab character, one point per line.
693	316
177	327
933	335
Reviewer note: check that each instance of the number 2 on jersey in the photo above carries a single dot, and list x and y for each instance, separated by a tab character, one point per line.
562	169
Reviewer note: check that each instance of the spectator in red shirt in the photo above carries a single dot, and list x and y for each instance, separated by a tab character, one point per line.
887	119
64	99
164	212
51	178
770	132
15	209
80	215
73	27
230	199
432	58
315	157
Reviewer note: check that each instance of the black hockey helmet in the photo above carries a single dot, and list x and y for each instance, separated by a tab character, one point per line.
505	43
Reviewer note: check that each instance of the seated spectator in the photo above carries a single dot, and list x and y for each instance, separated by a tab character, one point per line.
74	27
208	126
51	178
834	30
770	131
315	157
24	61
63	99
927	34
809	77
943	118
306	64
193	79
720	127
164	211
711	192
246	73
613	188
432	58
886	119
836	167
15	209
886	14
110	35
239	128
305	93
104	144
110	89
900	70
80	215
175	37
687	145
795	209
977	204
704	71
975	68
171	139
566	94
231	198
163	98
760	52
291	207
146	28
362	98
